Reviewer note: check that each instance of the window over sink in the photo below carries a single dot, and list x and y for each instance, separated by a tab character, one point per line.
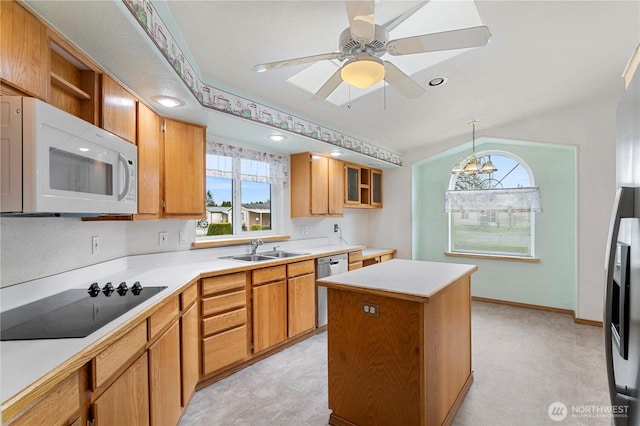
244	192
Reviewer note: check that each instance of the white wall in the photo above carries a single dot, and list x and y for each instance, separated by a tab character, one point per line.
33	248
589	126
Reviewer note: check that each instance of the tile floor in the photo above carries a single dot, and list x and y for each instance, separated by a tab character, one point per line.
523	361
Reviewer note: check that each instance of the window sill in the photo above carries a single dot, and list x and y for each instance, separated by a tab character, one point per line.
493	257
237	241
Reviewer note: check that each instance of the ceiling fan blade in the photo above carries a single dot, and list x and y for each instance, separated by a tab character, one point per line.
296	61
390	25
328	87
446	40
401	81
362	19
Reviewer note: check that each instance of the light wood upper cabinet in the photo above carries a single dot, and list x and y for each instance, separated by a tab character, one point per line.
363	186
316	186
165	389
126	402
149	144
24	49
118	109
183	181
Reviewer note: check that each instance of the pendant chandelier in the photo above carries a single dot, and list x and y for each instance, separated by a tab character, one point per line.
473	166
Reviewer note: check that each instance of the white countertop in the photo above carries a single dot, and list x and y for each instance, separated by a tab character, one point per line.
24	362
410	279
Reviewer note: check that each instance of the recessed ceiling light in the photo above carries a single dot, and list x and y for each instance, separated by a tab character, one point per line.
335	153
167	101
83	149
438	81
277	138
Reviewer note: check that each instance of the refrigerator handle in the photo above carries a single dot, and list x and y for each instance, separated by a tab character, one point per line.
623	207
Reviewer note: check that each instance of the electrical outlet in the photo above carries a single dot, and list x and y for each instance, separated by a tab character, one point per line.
371	309
304	230
95	244
335	227
182	237
164	238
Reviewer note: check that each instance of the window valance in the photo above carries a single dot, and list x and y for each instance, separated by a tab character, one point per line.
255	166
511	200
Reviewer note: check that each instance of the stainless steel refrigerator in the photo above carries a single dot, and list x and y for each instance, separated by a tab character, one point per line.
622	289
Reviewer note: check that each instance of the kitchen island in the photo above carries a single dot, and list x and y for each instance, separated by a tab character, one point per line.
399	343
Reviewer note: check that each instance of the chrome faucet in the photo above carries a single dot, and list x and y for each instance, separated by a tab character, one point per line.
254	245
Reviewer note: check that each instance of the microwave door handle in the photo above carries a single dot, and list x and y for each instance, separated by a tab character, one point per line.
125	164
622	208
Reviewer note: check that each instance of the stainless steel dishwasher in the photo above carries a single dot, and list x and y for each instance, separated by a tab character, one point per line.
325	267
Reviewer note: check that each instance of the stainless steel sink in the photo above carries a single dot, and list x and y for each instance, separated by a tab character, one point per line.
249	257
267	255
280	254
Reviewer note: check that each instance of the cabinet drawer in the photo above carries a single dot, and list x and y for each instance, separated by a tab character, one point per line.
167	314
224	302
224	321
224	349
188	297
58	406
266	275
355	256
300	268
119	354
386	257
223	283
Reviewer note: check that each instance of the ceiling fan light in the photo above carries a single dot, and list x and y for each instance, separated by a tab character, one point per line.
363	71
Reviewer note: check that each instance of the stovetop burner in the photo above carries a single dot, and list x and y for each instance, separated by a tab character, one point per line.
73	313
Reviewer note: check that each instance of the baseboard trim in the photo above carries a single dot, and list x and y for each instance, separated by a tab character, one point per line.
539	308
458	402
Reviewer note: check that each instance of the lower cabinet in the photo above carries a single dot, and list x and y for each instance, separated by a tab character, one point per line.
126	401
60	406
301	297
269	315
355	260
225	335
165	390
189	352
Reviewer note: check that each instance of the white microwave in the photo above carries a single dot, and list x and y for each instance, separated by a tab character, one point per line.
52	162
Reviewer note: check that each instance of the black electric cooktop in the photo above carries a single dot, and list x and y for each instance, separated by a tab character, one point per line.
70	314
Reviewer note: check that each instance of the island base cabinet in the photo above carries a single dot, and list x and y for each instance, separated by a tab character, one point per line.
406	362
126	402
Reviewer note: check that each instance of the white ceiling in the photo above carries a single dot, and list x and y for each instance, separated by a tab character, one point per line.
542	56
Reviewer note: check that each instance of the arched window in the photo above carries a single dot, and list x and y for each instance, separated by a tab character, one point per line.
494	214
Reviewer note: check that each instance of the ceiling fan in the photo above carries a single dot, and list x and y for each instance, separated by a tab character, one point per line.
364	43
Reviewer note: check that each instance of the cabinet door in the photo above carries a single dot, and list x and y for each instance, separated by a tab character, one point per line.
118	110
24	47
269	315
189	352
126	402
336	187
352	184
149	138
301	302
183	169
164	378
376	188
319	185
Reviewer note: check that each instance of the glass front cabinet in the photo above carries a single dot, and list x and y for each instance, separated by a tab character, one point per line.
363	187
